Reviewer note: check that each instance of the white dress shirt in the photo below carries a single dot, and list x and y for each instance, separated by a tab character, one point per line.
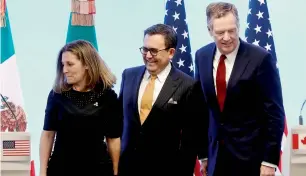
229	64
159	82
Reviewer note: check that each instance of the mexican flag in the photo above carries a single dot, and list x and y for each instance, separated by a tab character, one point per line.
13	117
81	22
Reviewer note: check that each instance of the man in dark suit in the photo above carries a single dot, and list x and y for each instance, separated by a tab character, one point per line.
242	87
163	110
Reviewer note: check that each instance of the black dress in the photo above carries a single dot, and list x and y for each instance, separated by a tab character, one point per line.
82	120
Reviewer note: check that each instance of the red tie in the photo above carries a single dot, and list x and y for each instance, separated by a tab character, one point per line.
221	82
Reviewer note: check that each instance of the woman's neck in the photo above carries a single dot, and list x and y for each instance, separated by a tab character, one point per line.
80	88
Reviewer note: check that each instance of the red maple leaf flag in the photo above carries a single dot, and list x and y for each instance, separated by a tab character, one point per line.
299	141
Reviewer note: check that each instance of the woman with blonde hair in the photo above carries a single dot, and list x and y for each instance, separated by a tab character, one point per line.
82	110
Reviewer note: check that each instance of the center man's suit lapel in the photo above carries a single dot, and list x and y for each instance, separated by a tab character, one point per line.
136	86
171	84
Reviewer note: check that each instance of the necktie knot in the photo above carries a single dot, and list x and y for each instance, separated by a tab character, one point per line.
153	77
222	57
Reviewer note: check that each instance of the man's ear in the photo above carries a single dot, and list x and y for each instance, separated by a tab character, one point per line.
210	31
171	52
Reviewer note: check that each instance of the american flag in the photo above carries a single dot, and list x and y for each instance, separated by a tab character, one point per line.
175	16
16	148
259	32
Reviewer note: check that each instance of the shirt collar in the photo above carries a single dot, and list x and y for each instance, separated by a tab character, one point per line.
162	76
231	56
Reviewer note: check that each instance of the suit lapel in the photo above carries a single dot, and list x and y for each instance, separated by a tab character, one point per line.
136	85
171	84
209	82
240	65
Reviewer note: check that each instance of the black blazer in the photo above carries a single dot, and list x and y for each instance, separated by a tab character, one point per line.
167	142
80	131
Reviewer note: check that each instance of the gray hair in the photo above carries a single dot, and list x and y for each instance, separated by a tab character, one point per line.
220	9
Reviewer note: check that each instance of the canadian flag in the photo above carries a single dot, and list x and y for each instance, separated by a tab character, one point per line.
299	141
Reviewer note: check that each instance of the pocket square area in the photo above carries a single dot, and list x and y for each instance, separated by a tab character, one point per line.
172	101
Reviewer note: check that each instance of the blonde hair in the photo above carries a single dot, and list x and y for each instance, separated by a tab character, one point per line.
97	71
218	10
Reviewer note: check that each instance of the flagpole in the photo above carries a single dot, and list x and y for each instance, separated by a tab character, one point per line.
13	114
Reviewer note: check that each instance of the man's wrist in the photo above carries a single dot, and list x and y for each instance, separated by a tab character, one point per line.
264	163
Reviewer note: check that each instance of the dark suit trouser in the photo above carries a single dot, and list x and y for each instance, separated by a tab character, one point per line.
227	165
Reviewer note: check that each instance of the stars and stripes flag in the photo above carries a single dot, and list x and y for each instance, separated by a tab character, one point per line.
259	32
16	148
175	16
